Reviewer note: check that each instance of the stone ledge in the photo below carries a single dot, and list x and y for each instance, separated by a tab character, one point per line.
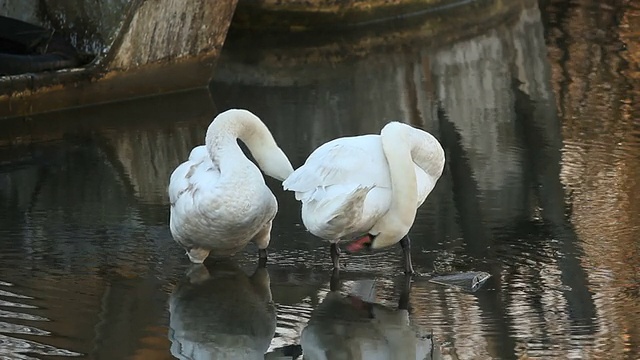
331	15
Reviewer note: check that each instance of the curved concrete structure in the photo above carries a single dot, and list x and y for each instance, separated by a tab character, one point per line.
129	54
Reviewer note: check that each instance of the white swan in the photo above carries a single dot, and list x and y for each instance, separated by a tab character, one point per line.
219	199
368	185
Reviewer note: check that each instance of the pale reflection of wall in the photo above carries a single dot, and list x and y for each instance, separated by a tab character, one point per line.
148	157
471	79
40	195
145	156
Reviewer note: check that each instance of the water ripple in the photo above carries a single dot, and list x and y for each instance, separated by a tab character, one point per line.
13	349
291	320
16	305
16	348
9	328
22	316
10	294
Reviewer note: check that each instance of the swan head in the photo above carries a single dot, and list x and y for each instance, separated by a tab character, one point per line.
375	241
388	231
363	242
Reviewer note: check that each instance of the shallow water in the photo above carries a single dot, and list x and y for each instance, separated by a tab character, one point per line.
539	120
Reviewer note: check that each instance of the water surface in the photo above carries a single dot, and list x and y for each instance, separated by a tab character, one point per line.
538	116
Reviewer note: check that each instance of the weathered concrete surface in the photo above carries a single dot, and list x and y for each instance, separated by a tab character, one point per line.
172	30
300	15
160	46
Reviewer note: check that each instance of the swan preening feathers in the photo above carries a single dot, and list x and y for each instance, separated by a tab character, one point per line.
219	199
364	187
368	186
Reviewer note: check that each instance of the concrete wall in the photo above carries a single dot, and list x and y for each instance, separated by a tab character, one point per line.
91	26
138	48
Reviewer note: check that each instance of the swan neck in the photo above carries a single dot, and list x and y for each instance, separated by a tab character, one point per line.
403	178
236	124
223	133
404	147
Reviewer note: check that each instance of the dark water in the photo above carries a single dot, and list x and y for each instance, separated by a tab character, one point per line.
539	116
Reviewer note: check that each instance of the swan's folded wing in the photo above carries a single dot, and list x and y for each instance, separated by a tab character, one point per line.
355	160
178	181
198	153
190	175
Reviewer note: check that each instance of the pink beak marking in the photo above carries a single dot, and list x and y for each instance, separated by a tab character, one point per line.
356	302
358	244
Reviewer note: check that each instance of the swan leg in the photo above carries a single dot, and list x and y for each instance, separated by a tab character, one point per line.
197	255
405	243
262	239
334	284
335	255
262	258
403	302
198	273
262	282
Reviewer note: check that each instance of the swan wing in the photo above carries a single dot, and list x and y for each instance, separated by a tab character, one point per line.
191	175
344	186
178	181
351	162
198	153
219	212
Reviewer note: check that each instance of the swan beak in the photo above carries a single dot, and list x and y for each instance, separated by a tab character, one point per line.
359	244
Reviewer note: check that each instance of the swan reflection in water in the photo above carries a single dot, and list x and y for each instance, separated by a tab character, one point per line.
350	328
218	312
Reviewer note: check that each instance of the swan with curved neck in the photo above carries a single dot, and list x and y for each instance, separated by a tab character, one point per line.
368	187
219	199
